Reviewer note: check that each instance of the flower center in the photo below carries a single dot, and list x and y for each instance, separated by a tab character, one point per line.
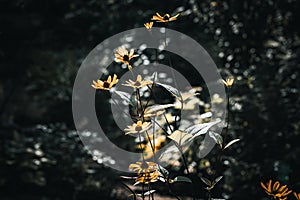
126	58
139	125
166	17
137	84
138	128
106	84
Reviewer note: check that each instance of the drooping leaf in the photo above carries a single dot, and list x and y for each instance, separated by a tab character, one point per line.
180	137
171	89
200	129
231	143
216	137
182	179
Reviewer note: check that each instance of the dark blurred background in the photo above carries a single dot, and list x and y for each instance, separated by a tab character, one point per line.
42	44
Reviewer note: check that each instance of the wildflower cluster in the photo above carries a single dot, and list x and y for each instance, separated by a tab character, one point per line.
154	124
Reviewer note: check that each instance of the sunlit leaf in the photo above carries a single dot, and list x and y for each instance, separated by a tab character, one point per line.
231	143
200	129
180	137
182	179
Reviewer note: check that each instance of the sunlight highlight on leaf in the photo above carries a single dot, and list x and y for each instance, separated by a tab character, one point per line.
180	137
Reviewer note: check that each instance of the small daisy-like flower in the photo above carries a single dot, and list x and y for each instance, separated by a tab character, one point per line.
297	195
124	56
228	82
143	167
165	18
139	83
276	191
105	85
138	127
147	172
148	25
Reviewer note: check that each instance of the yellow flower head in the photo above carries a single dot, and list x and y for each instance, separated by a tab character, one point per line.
143	167
139	83
277	191
105	85
148	25
124	56
148	177
138	127
297	195
147	172
165	18
228	82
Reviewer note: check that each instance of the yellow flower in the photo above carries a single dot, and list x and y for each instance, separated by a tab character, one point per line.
139	83
148	177
148	25
229	82
138	127
297	195
165	18
147	172
124	56
143	167
105	85
277	191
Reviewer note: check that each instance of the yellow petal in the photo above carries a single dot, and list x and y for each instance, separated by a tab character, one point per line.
131	52
276	186
109	79
159	15
263	186
282	188
139	78
115	81
269	186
